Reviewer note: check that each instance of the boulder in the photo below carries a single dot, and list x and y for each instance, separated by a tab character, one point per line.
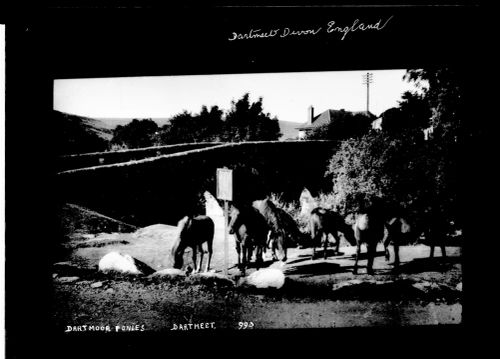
265	278
96	285
154	232
123	263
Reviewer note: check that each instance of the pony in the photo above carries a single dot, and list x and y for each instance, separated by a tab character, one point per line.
370	228
193	232
323	222
283	229
435	230
251	232
397	228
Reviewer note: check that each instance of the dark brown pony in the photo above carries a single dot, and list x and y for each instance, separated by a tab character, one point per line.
323	222
250	230
283	229
435	231
193	232
397	228
369	228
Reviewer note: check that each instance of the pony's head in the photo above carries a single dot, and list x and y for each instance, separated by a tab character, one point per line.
349	234
177	255
234	220
179	245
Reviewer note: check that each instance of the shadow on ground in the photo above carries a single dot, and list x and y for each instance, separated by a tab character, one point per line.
312	269
436	264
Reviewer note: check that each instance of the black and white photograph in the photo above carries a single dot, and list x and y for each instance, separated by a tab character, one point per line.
236	169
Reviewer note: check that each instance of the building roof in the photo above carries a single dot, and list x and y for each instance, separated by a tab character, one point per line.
329	115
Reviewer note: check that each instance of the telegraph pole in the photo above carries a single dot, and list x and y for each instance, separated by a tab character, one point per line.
367	79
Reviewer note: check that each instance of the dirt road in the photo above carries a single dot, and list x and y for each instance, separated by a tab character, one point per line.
317	293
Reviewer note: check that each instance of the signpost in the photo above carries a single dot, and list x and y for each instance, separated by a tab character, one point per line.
225	192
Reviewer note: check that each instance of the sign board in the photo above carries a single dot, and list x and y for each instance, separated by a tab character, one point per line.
225	184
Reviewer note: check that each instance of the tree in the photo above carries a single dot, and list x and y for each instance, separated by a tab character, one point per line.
412	114
210	123
444	92
344	125
396	164
186	127
247	121
382	165
180	129
136	134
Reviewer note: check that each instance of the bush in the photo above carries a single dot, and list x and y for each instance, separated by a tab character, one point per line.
409	174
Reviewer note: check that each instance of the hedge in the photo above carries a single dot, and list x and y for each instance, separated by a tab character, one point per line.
165	188
68	162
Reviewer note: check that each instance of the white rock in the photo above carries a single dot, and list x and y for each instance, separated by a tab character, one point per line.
115	261
266	278
96	285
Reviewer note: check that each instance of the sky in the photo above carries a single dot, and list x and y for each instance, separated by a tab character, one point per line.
285	95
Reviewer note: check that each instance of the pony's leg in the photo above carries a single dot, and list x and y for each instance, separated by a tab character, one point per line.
195	259
258	259
387	241
337	242
202	254
396	254
443	250
244	259
371	249
269	239
432	251
210	252
273	246
325	244
249	254
314	242
238	250
358	251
